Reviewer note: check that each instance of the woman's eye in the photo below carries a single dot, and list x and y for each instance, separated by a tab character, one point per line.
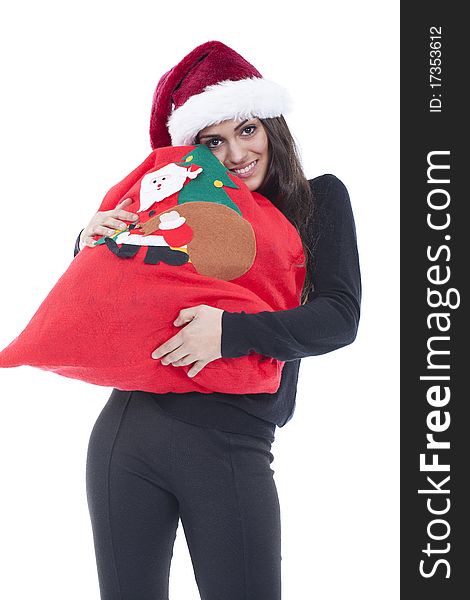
213	143
250	129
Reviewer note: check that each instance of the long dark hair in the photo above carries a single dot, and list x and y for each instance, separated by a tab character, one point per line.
288	189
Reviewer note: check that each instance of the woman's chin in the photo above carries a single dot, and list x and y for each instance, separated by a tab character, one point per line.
252	183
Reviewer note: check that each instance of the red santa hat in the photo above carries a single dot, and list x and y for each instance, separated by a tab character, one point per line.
211	84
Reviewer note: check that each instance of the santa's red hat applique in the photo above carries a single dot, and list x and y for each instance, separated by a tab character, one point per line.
211	84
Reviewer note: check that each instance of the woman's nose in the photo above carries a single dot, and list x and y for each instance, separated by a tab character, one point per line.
236	154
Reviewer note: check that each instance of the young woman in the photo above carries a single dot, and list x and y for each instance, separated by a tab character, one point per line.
205	458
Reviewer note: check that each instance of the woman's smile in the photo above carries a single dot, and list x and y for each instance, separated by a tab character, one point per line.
247	171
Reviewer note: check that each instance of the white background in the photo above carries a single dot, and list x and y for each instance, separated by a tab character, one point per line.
77	83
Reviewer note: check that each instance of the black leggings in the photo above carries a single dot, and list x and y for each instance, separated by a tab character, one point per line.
146	470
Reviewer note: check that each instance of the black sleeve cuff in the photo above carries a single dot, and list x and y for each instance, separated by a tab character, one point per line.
77	246
234	341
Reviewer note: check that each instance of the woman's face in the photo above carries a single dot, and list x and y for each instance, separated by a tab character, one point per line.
242	146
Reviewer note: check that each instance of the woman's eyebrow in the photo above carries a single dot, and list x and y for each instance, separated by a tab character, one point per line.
210	135
207	135
241	124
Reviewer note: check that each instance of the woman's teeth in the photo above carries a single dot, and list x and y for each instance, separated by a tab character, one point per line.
246	169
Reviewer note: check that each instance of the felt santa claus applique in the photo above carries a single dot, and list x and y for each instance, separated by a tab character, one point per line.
167	240
186	216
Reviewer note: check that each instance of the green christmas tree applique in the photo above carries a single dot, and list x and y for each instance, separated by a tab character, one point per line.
209	185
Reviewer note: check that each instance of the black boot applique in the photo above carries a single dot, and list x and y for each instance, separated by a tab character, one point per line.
156	254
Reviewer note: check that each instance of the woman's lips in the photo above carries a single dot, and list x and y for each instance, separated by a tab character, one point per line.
247	173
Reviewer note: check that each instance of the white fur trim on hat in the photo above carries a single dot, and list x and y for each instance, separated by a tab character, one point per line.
242	99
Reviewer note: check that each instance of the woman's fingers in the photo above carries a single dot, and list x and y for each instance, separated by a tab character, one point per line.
87	239
102	230
106	222
124	214
125	202
110	222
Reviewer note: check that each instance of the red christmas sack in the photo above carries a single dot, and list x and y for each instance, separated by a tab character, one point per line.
201	238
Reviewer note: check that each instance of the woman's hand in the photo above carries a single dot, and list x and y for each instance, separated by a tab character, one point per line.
199	342
102	221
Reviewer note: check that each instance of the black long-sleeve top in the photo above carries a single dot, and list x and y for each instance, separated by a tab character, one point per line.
328	321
